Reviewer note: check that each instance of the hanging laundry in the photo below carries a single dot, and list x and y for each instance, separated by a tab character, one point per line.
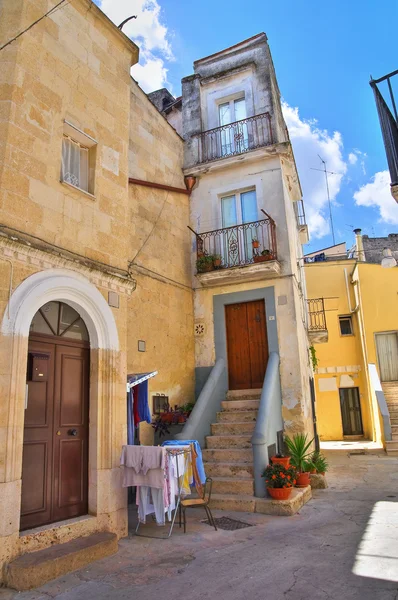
143	465
130	417
143	408
199	458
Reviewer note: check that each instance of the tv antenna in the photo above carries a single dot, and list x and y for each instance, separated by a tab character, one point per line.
327	188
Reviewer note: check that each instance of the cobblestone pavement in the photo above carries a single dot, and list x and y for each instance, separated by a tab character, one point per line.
343	545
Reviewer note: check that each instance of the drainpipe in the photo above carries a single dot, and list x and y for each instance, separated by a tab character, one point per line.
359	245
348	294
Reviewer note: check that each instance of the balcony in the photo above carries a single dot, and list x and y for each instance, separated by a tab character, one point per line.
317	329
388	117
244	252
301	222
235	138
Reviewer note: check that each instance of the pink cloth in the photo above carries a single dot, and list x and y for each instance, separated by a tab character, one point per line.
143	465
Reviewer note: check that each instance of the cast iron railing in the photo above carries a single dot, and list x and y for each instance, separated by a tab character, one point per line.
300	213
237	246
316	315
389	124
235	138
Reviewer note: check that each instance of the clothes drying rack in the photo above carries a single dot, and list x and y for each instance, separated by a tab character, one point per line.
171	452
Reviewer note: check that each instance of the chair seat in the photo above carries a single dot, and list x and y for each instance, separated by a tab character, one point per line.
193	502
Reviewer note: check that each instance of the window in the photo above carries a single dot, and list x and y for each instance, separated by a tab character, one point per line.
78	159
235	138
57	318
346	325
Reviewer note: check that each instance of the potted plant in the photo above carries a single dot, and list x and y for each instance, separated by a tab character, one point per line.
320	463
264	255
280	459
298	448
217	261
279	481
255	243
204	264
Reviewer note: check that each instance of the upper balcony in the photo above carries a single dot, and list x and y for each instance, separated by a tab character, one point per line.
388	117
245	252
317	328
235	138
301	222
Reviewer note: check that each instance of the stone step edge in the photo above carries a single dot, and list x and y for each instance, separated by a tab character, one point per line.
34	569
231	479
267	506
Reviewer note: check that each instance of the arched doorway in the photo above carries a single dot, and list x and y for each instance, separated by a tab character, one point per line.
55	449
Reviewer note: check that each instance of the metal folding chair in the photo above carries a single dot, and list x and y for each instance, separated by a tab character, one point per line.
199	502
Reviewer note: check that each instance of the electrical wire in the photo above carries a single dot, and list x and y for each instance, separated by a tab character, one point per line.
48	13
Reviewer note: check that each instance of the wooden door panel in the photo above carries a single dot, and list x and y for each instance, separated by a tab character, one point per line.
38	443
71	473
257	328
34	477
238	347
71	424
72	390
247	344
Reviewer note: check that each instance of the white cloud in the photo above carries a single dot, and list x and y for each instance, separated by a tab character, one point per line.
352	158
377	194
309	141
149	33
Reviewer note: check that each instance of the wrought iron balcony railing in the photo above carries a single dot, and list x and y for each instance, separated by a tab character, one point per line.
235	138
236	246
388	123
316	315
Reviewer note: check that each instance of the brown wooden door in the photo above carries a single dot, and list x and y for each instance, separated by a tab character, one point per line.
55	451
247	344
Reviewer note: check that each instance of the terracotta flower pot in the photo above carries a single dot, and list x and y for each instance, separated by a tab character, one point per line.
262	257
279	493
303	480
255	244
217	262
284	460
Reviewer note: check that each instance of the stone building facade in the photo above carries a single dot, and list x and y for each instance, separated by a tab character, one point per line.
94	215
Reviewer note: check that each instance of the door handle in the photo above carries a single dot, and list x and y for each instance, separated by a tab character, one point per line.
72	432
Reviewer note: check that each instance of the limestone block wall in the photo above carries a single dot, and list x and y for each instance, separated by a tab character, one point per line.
73	65
160	312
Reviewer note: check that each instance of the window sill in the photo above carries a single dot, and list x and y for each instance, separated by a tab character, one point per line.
74	187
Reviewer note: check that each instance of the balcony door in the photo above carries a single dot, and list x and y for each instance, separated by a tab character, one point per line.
387	353
236	210
234	139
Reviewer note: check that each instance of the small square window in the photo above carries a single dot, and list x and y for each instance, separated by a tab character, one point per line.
345	325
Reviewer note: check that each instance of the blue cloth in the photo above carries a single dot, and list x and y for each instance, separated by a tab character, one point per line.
143	407
130	418
199	461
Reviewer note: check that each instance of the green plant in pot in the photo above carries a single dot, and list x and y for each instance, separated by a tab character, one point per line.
320	463
205	263
298	448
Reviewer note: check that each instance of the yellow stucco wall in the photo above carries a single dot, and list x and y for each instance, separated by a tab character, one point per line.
341	355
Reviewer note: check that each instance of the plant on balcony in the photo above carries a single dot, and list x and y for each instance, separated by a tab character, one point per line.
313	357
263	256
255	243
217	261
205	263
298	448
279	480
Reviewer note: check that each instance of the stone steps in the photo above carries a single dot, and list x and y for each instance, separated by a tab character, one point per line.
229	469
237	416
232	428
225	455
243	395
392	446
265	506
240	405
228	441
231	485
231	502
34	569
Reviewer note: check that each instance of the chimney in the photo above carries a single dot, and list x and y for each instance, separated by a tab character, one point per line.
359	245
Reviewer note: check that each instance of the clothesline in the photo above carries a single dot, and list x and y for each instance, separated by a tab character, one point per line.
133	380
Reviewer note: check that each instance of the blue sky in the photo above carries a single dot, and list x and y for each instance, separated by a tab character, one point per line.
323	55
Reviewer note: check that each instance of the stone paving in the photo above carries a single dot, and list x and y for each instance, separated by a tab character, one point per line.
342	545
